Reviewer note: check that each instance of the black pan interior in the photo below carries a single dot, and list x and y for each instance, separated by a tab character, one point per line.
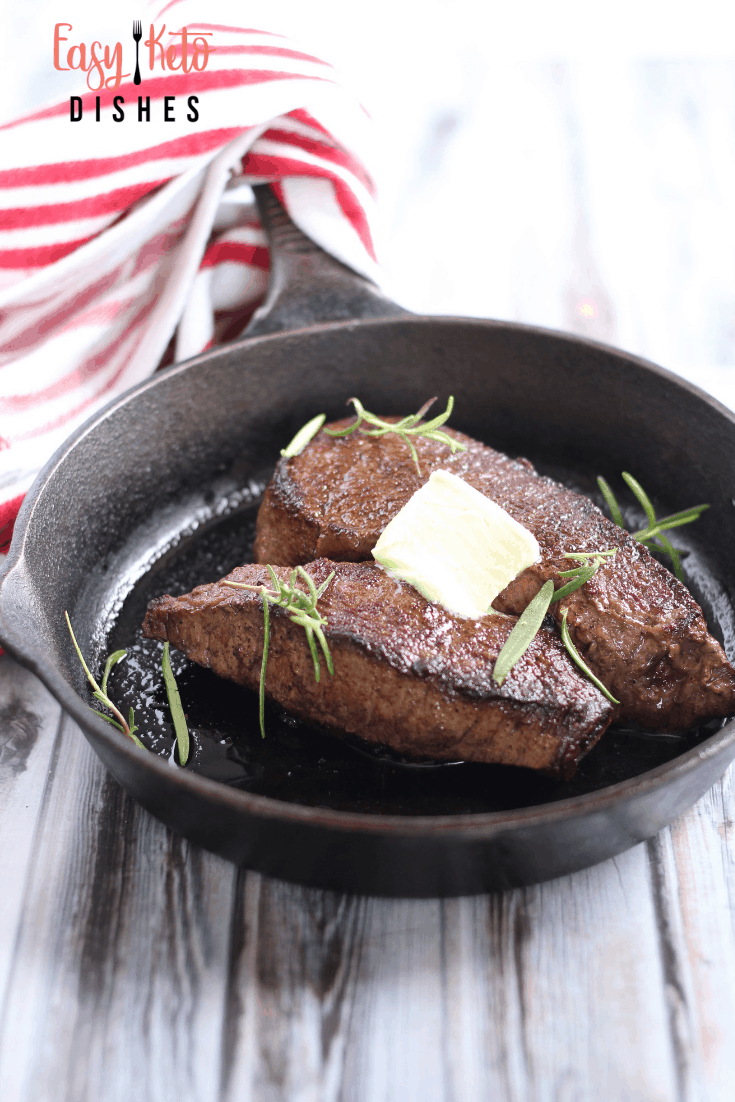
299	764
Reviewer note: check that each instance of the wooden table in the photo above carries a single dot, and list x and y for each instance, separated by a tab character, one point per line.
134	968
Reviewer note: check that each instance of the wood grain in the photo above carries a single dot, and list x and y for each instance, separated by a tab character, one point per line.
533	994
29	723
119	973
696	871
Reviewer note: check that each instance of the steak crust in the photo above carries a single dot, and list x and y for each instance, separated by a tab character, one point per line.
635	625
407	674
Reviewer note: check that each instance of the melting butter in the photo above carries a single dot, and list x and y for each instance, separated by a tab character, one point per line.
457	547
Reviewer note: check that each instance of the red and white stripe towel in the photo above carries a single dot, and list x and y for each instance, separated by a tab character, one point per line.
117	237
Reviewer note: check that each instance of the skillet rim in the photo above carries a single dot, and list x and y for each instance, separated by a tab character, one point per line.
476	824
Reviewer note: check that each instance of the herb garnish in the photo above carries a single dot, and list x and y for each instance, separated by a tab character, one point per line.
128	728
582	573
174	703
306	433
523	633
652	535
404	428
302	610
576	658
530	620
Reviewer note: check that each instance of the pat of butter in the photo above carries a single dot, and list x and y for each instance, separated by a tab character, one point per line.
456	546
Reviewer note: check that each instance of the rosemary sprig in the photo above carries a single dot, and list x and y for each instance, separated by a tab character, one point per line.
100	693
174	703
581	574
128	727
532	617
523	633
579	661
306	433
652	535
301	608
405	428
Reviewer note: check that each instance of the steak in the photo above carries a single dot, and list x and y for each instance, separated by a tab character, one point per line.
407	674
636	626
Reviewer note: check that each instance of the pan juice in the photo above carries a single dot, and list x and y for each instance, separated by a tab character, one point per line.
300	764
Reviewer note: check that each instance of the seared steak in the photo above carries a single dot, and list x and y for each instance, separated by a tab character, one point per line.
636	626
407	674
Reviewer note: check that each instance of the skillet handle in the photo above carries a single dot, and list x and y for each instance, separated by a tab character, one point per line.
307	285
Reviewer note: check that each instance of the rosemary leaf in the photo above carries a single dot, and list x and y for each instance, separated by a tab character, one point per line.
581	577
325	648
314	652
582	555
414	454
306	433
579	661
108	719
652	535
91	680
274	580
323	586
174	703
642	496
675	520
264	663
523	633
433	425
350	428
671	551
302	610
310	584
581	574
406	427
611	502
133	729
111	661
414	417
440	437
98	693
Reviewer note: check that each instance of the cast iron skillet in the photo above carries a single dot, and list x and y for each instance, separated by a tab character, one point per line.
175	453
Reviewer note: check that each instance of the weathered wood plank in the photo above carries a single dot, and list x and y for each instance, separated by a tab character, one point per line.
541	994
694	874
338	997
118	984
590	987
325	986
29	722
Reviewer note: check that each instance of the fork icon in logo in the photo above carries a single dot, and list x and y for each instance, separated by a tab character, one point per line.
137	35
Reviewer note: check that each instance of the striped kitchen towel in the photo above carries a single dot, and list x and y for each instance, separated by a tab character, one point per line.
130	233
